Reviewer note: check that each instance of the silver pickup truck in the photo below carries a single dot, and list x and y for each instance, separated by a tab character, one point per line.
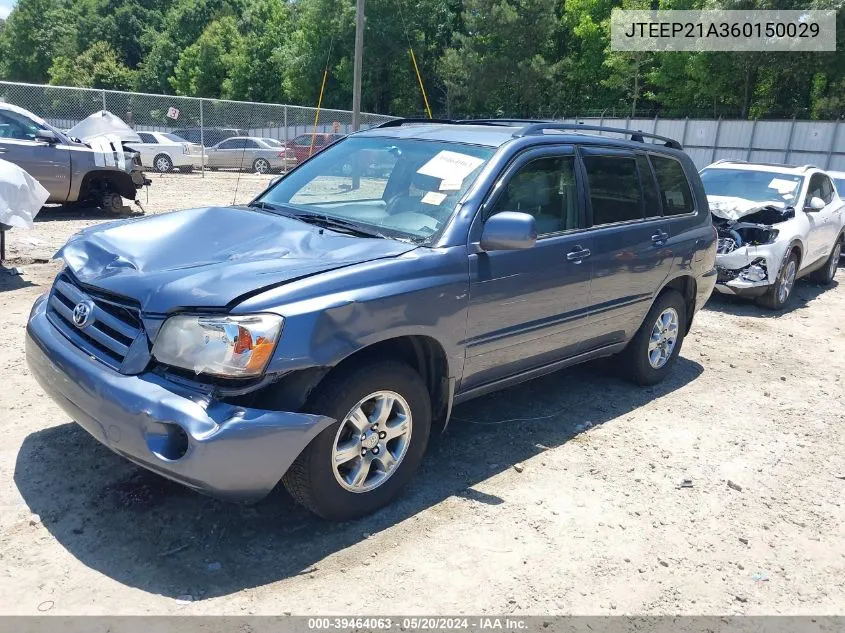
72	171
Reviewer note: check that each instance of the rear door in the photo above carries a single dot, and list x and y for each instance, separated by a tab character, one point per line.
527	306
48	164
631	258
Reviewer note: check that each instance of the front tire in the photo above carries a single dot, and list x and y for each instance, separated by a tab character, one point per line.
163	164
261	166
362	461
780	292
826	273
652	352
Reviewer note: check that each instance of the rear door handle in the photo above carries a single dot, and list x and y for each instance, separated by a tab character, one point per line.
577	254
659	238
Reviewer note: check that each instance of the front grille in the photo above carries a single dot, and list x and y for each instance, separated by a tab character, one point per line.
112	327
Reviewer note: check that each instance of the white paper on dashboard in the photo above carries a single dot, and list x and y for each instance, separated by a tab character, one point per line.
451	166
433	197
782	186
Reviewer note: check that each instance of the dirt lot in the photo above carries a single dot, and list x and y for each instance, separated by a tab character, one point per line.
558	496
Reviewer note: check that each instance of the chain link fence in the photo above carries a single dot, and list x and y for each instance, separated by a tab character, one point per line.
204	122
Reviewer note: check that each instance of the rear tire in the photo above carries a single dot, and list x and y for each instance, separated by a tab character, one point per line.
779	294
337	490
826	273
652	352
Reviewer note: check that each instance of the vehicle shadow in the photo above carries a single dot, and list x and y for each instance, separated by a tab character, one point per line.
803	294
65	212
146	532
11	280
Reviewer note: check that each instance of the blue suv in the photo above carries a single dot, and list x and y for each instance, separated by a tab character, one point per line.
317	335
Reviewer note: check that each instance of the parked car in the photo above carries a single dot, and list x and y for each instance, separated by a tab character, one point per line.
302	144
72	171
165	152
776	224
209	136
838	178
317	335
249	153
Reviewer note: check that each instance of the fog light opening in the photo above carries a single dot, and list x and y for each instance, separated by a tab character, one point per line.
171	444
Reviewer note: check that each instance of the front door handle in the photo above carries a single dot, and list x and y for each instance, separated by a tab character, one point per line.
659	238
577	254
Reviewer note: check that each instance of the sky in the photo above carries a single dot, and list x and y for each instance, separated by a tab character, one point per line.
5	8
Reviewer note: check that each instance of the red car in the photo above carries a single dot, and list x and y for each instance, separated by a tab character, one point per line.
302	144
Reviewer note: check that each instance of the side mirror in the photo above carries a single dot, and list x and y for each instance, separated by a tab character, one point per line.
46	136
815	204
509	231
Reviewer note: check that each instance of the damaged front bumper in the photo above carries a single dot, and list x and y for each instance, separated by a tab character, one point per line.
748	271
214	447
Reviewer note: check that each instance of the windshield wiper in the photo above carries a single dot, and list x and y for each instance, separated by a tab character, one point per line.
336	224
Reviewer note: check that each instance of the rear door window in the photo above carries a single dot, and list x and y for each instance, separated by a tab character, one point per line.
614	187
675	192
650	197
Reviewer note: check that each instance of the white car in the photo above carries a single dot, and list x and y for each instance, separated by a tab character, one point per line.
775	223
165	152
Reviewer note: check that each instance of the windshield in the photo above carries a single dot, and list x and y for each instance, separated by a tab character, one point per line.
840	187
405	187
272	142
174	138
760	187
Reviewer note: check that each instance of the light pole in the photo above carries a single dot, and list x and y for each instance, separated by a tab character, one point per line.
356	70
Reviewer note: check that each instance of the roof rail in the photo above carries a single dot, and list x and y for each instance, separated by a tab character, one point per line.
401	122
636	135
807	167
535	127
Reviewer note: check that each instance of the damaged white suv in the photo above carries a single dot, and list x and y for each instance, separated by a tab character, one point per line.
775	223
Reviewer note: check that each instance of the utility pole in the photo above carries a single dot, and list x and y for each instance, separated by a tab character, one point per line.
359	55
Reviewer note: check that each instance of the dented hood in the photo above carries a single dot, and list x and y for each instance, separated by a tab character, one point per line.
210	257
731	208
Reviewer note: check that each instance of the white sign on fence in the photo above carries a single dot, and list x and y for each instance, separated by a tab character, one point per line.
173	113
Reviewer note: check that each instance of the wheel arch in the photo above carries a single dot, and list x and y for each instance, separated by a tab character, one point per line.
103	180
687	286
424	354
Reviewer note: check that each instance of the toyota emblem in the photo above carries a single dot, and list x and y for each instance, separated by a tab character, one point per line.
82	313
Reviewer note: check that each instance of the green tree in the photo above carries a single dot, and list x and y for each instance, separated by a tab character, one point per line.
205	67
35	33
97	67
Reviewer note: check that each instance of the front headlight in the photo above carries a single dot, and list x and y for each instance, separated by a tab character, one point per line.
231	346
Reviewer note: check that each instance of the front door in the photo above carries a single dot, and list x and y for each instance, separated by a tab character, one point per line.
526	305
824	223
48	164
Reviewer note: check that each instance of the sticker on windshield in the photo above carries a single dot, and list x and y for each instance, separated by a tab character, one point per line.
450	166
451	185
433	197
782	186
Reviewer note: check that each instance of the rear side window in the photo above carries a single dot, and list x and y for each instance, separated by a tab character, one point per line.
674	188
147	138
614	189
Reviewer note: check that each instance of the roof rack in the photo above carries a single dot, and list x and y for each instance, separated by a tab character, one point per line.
636	135
401	122
534	127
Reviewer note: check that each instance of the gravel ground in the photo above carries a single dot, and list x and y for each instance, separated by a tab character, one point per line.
558	496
